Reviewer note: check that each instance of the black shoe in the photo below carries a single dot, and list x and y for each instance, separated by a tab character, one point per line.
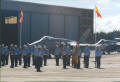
39	71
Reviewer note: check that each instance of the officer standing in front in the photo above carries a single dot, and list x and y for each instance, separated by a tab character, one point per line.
57	55
79	52
86	56
39	55
45	56
98	54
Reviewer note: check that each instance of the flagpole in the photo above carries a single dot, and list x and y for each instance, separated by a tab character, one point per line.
20	35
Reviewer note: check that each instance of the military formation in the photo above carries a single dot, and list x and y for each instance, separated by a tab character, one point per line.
37	56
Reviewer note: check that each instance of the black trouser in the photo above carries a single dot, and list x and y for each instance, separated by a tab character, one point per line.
3	59
98	61
68	60
41	63
6	59
38	63
45	59
33	59
16	60
12	58
57	60
78	65
86	61
25	61
64	61
29	58
20	59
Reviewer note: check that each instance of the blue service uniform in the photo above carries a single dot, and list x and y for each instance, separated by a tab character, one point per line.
12	56
86	57
29	57
79	52
98	53
39	55
65	54
3	56
25	58
69	51
45	56
6	56
20	56
16	52
57	55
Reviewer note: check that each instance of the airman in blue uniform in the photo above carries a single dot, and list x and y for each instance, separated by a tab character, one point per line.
16	52
45	56
12	55
86	56
20	56
57	55
6	55
79	52
25	52
28	56
98	54
68	50
3	55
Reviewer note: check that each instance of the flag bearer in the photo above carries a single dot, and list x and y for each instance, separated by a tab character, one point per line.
45	55
57	55
98	54
3	55
79	52
6	55
86	56
12	55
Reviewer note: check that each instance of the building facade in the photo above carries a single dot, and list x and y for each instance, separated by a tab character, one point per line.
40	20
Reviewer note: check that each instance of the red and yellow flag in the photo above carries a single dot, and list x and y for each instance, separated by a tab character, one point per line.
98	13
21	16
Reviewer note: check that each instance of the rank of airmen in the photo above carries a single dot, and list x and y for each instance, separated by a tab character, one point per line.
39	55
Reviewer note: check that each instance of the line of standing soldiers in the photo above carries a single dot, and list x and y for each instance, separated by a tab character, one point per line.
66	52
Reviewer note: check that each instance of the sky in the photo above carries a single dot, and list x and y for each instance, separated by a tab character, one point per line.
109	9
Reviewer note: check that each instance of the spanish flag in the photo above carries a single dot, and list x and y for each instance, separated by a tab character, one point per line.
97	12
21	16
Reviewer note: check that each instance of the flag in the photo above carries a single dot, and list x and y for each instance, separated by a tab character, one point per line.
21	16
98	13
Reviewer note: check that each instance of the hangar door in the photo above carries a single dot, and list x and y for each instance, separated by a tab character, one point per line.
72	27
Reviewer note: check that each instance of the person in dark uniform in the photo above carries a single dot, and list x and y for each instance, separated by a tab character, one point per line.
98	54
57	55
16	52
68	55
33	57
34	53
3	55
25	53
6	55
64	56
86	56
45	55
20	56
79	52
12	55
40	48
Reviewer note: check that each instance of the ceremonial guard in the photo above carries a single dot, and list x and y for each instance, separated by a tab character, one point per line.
57	55
45	56
12	55
20	56
3	55
86	56
25	58
98	54
79	52
6	55
16	52
33	57
69	52
28	56
65	55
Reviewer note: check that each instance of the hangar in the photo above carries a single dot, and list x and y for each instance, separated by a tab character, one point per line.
41	19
